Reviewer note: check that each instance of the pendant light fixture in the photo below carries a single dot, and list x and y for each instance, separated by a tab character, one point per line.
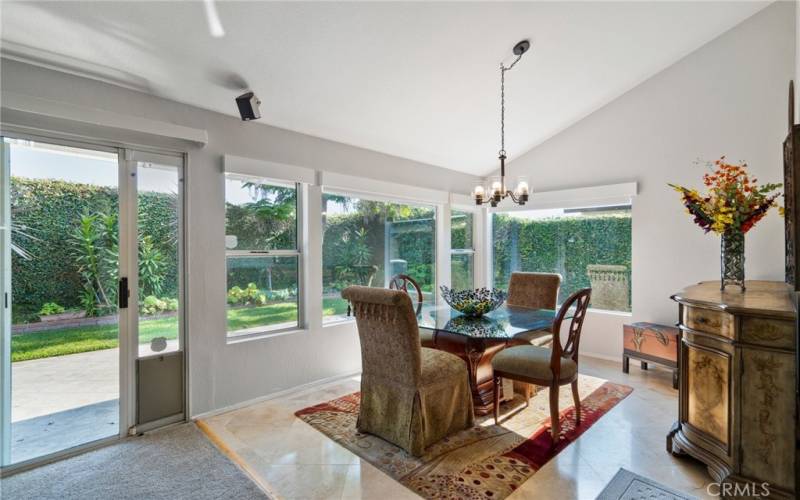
497	190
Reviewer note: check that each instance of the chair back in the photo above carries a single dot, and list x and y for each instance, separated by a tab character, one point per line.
401	282
389	334
534	290
569	349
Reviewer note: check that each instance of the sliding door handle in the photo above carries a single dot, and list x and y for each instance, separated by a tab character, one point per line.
124	293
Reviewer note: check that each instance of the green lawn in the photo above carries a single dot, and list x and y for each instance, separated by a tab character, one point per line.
93	338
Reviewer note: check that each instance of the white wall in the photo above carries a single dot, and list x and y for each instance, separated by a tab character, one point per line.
224	374
728	97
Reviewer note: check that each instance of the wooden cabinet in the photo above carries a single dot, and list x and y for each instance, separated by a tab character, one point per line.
737	399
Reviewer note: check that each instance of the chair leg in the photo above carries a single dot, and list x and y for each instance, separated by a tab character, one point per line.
577	400
528	391
496	394
555	425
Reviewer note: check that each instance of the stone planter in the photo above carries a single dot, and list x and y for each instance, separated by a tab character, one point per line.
610	287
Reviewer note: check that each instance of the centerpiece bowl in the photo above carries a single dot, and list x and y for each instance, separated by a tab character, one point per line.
473	303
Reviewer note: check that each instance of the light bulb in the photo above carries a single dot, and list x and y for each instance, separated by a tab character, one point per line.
497	187
478	194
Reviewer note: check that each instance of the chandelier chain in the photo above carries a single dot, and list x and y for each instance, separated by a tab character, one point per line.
503	70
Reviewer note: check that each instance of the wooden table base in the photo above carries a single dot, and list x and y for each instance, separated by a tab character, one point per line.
478	354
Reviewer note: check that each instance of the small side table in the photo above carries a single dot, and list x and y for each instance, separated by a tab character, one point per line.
651	343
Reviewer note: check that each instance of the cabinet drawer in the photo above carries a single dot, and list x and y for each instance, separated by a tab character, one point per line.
708	320
768	332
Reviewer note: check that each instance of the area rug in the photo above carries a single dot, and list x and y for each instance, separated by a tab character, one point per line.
625	485
487	461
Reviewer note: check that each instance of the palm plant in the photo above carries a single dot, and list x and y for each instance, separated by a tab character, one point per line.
83	246
151	268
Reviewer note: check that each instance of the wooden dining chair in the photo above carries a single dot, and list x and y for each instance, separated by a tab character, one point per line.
551	367
401	282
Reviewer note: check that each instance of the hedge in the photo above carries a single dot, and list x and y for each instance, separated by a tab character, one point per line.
565	245
47	211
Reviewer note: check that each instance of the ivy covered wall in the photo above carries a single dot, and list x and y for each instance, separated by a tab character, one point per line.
564	245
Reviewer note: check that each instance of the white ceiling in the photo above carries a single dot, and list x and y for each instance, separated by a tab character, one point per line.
417	80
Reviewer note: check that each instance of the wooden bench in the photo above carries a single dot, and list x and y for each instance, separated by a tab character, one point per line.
651	343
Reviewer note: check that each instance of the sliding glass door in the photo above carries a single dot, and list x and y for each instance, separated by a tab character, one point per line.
91	245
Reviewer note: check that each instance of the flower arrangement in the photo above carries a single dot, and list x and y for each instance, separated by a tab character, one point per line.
734	201
733	205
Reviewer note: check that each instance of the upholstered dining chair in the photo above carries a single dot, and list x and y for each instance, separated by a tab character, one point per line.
410	395
535	291
551	367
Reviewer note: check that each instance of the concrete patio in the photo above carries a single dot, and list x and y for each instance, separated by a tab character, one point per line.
63	401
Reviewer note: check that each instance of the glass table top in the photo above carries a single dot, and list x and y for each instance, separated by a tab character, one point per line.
504	322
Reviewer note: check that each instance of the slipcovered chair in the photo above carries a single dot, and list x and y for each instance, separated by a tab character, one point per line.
552	367
410	395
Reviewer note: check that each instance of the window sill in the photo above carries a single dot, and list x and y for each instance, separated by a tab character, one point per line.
262	334
608	312
338	321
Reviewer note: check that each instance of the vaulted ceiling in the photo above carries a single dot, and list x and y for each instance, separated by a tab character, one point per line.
417	80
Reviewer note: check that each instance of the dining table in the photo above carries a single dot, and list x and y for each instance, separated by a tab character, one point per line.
477	340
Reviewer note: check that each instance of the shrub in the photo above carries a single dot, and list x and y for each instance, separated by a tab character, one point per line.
151	267
250	296
51	308
154	305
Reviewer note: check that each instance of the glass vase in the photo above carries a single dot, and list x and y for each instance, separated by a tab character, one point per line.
732	259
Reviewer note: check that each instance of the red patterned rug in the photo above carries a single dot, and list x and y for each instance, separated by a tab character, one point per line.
487	461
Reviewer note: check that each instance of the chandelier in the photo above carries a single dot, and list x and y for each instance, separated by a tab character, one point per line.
497	191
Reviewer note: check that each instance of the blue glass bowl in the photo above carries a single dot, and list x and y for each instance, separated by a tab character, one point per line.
474	303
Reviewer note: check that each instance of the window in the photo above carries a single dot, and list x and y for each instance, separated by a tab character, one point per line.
462	253
262	255
366	242
588	247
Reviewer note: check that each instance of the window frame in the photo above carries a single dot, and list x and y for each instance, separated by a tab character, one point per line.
567	206
263	331
465	251
389	199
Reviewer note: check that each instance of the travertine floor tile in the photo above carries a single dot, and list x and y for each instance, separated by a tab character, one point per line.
299	462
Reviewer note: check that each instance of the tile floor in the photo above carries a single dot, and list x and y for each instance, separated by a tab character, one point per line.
295	461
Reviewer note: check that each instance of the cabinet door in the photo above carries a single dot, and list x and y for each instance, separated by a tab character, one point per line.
708	393
768	417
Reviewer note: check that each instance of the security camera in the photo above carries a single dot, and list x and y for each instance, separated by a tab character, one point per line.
248	106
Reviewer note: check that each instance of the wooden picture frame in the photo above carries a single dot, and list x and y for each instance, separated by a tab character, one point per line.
791	189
